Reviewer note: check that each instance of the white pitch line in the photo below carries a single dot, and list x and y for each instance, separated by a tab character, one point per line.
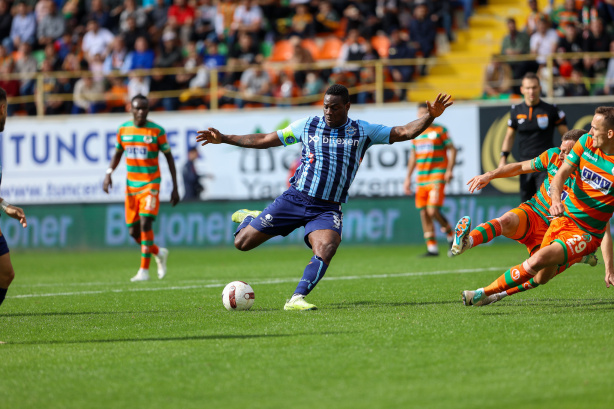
264	282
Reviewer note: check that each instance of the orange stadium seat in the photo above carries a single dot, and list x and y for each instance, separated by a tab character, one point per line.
381	44
282	51
330	49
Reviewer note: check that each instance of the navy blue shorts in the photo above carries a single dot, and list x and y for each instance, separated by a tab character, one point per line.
4	247
294	209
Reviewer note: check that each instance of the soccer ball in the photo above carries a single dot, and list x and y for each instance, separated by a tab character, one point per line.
238	296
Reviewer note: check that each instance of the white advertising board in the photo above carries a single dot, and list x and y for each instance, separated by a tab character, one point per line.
63	159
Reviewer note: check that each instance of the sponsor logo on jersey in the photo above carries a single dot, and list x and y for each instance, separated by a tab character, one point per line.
136	152
148	139
266	221
127	138
424	148
596	181
333	140
542	121
589	155
564	194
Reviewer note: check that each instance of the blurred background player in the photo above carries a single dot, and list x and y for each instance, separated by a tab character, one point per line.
534	121
6	268
433	155
191	179
333	147
142	140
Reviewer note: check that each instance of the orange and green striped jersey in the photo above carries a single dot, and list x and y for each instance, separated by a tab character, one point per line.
141	145
550	162
431	149
591	202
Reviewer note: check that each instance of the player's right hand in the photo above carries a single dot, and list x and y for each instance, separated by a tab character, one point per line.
609	279
107	183
17	213
557	209
478	183
211	135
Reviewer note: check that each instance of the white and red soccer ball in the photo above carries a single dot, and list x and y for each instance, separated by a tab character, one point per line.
238	296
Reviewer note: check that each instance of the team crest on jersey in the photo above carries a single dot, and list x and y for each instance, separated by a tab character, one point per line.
148	139
350	131
542	121
596	181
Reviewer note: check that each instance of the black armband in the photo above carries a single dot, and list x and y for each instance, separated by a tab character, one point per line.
505	154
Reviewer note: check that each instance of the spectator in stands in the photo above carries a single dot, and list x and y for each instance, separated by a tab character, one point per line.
241	55
163	83
254	82
355	21
422	32
132	33
606	11
206	15
100	14
302	24
544	40
441	14
327	19
497	80
142	58
400	49
64	45
608	81
51	26
212	58
131	10
6	21
53	105
387	12
563	15
137	84
284	89
576	85
26	65
531	24
596	40
158	16
313	84
117	58
181	18
571	42
88	95
5	57
96	40
117	95
300	55
11	86
353	49
247	19
23	29
170	53
587	13
52	56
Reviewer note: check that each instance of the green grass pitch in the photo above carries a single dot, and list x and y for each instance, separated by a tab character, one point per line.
390	332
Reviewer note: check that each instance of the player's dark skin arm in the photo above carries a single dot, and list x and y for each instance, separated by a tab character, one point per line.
255	141
417	127
114	162
173	171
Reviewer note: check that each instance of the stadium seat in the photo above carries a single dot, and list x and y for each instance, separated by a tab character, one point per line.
311	46
381	44
282	51
330	49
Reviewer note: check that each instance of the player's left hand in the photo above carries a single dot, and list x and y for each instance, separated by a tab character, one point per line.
17	213
609	279
557	209
441	103
174	197
448	176
478	183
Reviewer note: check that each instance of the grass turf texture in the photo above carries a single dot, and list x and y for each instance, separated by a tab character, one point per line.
375	342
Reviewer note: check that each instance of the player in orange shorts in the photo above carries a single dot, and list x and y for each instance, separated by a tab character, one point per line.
527	223
433	156
581	213
142	140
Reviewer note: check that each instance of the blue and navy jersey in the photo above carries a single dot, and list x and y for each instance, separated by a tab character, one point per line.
330	156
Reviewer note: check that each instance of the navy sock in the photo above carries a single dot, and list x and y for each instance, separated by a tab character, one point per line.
244	224
3	294
313	273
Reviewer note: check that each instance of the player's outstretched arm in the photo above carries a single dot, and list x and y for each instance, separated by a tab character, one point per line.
556	188
608	257
255	141
173	170
15	212
415	128
107	183
507	171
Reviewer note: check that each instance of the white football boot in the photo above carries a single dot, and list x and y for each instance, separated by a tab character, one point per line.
161	258
142	275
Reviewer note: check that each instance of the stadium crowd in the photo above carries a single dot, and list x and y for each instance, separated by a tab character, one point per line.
121	36
570	27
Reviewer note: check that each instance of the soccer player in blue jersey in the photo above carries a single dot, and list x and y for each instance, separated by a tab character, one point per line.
332	148
6	268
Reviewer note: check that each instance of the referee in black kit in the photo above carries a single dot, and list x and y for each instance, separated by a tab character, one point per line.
534	120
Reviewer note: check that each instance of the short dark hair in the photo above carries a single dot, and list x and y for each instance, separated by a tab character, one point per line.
2	95
573	135
339	90
531	76
423	105
608	116
138	96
